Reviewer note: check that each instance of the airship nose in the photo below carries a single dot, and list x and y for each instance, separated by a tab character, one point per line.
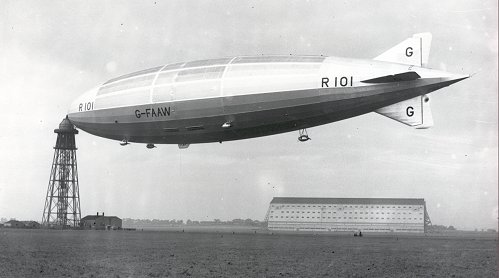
83	103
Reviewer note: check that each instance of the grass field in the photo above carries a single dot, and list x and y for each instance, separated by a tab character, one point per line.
197	253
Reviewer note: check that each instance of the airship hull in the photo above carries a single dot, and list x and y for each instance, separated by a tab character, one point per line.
201	121
250	96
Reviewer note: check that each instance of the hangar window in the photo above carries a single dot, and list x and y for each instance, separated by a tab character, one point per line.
308	217
355	218
356	206
349	217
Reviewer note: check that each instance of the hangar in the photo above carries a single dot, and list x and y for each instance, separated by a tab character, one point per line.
348	214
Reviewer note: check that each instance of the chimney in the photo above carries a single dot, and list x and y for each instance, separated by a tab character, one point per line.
102	213
97	213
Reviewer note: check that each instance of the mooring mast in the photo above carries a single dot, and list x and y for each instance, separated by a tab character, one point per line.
62	204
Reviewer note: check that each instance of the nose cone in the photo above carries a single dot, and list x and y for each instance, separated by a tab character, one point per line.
80	111
84	102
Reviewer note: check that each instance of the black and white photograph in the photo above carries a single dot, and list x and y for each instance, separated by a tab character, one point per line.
249	138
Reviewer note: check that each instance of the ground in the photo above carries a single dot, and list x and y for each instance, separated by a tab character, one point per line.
244	253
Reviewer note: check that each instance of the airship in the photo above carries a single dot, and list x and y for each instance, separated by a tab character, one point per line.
243	97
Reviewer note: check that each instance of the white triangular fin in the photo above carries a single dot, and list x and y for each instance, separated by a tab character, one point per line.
412	51
413	112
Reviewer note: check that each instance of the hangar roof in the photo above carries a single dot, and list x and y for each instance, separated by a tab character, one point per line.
342	201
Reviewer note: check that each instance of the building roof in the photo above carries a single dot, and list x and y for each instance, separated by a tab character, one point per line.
14	221
345	201
93	217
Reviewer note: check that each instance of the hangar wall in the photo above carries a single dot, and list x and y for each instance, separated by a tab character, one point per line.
347	214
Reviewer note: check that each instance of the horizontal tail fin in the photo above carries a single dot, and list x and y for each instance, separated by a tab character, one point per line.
405	76
413	112
412	51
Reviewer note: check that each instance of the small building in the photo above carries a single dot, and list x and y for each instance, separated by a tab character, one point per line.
31	224
14	224
348	214
101	222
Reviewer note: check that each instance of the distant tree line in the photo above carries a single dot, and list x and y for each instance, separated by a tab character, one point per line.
441	228
174	222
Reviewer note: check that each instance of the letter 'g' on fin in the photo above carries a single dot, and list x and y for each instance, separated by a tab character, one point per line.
412	51
413	112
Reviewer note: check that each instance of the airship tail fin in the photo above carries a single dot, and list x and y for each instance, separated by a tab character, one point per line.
412	51
413	112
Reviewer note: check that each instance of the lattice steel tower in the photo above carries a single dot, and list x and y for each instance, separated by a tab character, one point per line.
62	204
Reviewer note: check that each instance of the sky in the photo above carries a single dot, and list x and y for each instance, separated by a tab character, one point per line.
53	51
